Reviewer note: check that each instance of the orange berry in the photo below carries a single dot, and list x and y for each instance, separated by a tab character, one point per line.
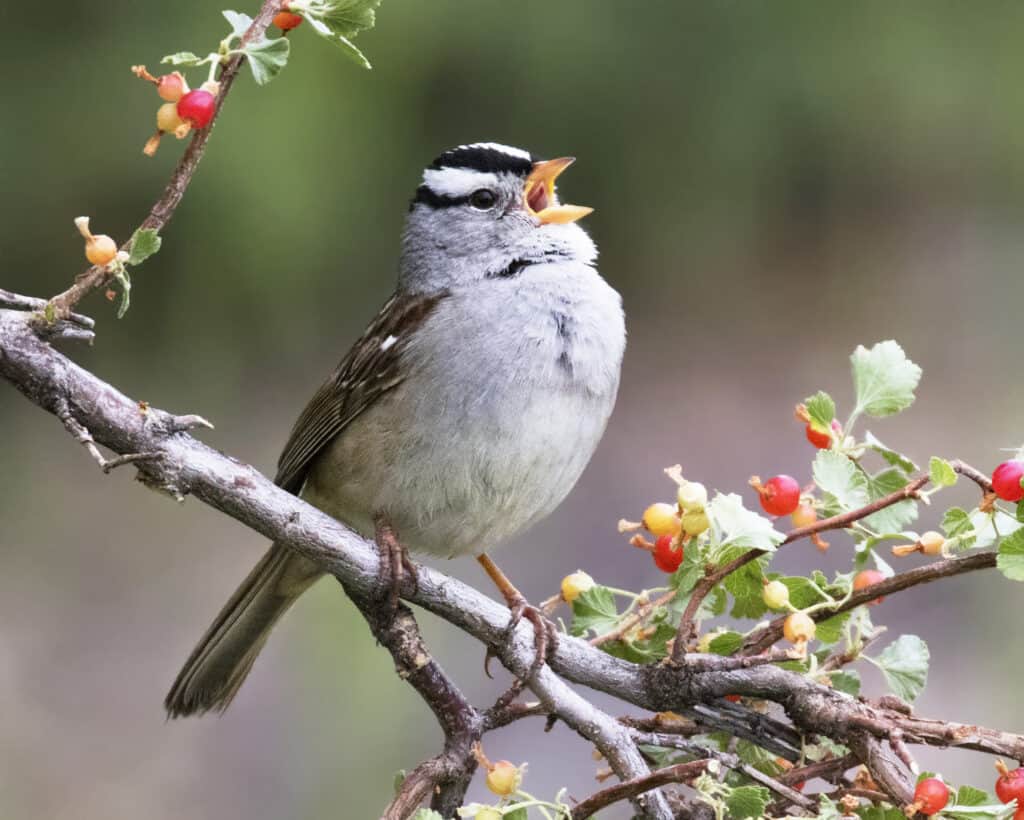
805	514
661	519
868	578
504	778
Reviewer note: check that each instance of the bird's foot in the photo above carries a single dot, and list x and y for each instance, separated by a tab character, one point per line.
395	565
545	635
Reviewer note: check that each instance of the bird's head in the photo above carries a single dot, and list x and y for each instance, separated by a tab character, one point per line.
483	209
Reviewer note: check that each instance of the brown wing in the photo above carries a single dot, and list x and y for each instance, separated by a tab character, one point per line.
369	370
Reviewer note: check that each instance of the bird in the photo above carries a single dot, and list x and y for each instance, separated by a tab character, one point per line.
466	411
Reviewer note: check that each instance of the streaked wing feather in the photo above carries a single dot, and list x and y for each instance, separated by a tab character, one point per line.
368	371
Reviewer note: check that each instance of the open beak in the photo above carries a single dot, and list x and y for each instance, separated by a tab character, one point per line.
539	194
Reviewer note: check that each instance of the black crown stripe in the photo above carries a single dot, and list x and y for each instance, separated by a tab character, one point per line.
486	160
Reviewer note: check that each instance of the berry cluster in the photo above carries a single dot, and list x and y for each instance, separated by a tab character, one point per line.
673	525
183	108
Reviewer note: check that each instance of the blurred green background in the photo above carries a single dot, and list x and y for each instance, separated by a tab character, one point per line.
774	184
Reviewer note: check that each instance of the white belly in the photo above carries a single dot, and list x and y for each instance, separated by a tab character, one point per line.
501	412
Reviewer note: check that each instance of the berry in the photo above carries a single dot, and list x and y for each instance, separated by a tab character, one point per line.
1006	480
693	496
667	556
504	778
1010	784
488	813
799	628
695	522
775	595
868	578
167	118
931	543
805	514
820	438
931	796
661	519
733	698
171	87
779	495
100	249
575	585
197	108
286	21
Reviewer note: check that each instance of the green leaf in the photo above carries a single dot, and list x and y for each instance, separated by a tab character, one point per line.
516	814
184	58
895	458
145	242
239	22
689	573
956	523
803	592
1020	511
830	630
1011	556
733	525
726	643
970	796
339	21
848	681
267	58
884	379
745	585
904	663
594	609
941	472
822	410
893	518
881	812
430	814
125	281
838	476
747	801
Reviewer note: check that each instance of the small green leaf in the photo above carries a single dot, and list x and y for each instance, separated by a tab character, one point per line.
896	459
1011	556
726	643
904	663
145	242
900	514
1020	511
830	630
822	410
594	609
941	472
838	476
267	58
746	585
239	22
884	379
747	801
970	796
430	814
184	58
339	21
125	281
689	573
733	525
848	681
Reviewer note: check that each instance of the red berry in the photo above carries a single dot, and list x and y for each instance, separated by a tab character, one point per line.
197	108
780	495
820	438
286	21
733	698
667	557
1011	785
931	795
1006	480
867	578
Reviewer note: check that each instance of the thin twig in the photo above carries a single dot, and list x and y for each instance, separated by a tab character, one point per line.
163	209
680	773
643	611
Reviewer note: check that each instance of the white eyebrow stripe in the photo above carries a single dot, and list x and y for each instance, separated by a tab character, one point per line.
457	181
388	342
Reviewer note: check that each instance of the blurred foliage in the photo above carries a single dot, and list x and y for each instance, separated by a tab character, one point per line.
774	183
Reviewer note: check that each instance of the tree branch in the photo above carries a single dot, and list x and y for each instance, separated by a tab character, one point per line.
680	773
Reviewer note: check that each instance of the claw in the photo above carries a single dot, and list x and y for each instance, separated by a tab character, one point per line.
395	564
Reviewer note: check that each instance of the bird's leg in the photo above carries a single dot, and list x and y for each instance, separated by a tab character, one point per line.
394	560
545	635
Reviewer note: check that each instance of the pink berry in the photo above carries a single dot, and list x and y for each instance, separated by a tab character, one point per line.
171	87
197	108
780	495
667	557
1006	480
931	795
868	578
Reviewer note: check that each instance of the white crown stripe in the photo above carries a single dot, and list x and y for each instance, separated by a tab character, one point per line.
456	182
497	146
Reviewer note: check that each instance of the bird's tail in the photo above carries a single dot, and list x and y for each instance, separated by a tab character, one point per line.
218	665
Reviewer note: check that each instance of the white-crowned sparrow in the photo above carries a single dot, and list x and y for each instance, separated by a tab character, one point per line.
467	410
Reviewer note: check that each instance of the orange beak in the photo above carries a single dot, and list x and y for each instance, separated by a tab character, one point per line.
539	194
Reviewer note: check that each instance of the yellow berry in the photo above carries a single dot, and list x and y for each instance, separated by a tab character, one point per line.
695	522
931	543
799	628
661	519
504	778
575	585
693	496
488	813
167	118
775	595
805	514
100	250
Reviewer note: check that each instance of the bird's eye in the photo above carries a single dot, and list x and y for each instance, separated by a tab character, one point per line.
483	199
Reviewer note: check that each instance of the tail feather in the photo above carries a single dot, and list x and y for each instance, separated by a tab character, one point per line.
223	657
